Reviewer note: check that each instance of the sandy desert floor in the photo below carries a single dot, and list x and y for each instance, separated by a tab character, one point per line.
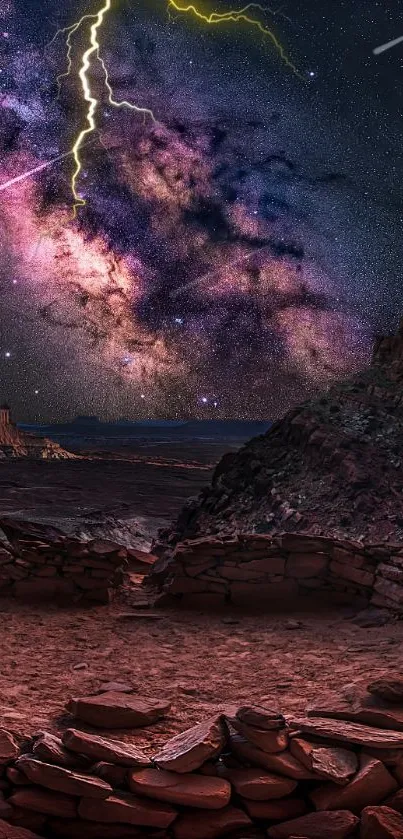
201	662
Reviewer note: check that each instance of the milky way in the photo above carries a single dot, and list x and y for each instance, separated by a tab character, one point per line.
233	256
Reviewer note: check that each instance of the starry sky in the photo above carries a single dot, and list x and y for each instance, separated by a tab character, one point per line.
229	257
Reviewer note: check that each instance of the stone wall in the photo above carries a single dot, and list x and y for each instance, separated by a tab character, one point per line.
253	570
333	774
40	563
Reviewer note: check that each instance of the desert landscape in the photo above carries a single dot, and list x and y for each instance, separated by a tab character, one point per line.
193	646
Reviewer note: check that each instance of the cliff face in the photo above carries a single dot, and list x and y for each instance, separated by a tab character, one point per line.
332	466
17	444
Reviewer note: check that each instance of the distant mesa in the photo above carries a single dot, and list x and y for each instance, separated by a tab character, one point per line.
83	420
15	443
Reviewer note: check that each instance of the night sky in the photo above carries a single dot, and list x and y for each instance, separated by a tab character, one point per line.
233	256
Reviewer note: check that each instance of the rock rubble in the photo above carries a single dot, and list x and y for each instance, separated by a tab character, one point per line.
333	779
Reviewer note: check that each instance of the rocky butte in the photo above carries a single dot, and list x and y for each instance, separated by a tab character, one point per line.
15	443
331	467
312	508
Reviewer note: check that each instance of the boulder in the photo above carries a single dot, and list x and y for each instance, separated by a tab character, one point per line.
200	824
118	710
260	717
381	823
43	801
335	764
99	748
125	808
258	785
389	689
334	824
203	791
372	784
189	750
349	732
63	780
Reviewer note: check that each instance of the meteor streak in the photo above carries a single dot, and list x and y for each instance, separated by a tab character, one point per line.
387	46
34	171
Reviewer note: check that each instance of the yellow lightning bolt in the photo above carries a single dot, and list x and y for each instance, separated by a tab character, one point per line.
92	50
236	16
123	103
71	31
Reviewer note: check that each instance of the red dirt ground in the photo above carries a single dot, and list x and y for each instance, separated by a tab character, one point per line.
199	661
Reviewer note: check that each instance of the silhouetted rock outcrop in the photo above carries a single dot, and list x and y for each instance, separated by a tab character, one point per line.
331	467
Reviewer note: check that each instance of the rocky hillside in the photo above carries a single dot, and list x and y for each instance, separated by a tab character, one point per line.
332	466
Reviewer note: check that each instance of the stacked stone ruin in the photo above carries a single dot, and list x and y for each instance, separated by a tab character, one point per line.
336	773
256	570
42	563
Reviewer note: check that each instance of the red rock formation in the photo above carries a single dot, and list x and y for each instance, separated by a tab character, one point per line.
15	443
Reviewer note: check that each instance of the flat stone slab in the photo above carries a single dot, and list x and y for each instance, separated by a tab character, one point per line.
50	749
381	823
260	717
334	764
272	741
63	780
100	748
208	825
258	785
279	810
203	791
118	710
367	709
284	764
349	732
189	750
335	824
44	801
127	809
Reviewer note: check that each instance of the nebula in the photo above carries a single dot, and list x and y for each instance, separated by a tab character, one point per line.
214	269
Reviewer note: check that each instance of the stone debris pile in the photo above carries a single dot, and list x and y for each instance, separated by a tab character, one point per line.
253	569
336	773
42	563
